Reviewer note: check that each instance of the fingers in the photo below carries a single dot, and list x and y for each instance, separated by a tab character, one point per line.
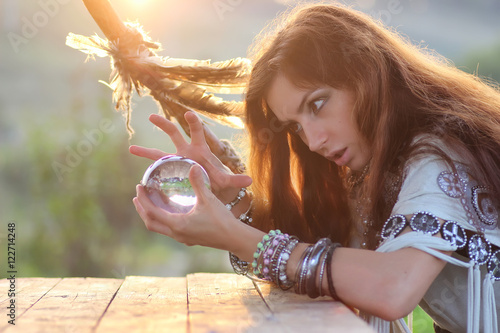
154	218
151	153
198	184
169	127
196	128
223	179
240	180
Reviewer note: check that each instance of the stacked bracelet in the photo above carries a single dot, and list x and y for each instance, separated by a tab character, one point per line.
238	198
313	287
301	272
281	278
266	250
271	259
314	263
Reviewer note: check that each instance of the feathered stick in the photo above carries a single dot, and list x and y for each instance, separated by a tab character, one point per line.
179	85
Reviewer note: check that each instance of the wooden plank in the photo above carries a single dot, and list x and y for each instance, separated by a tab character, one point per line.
299	313
147	304
73	305
27	292
224	303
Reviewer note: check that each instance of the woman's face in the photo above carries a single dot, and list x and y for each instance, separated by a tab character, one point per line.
322	117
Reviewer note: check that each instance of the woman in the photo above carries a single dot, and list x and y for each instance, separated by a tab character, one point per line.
383	158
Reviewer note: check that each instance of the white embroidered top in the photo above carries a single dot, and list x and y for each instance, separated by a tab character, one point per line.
465	296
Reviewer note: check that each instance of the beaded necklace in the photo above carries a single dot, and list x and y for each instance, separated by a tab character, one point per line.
354	185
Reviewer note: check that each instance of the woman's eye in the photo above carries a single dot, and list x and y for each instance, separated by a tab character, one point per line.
317	104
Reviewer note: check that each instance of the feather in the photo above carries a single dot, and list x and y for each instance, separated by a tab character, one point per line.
179	85
196	97
93	45
222	77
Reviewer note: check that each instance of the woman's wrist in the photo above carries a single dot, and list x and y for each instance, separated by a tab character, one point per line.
242	206
245	243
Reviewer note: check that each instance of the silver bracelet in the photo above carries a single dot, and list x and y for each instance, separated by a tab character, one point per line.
300	287
322	274
238	198
246	217
320	248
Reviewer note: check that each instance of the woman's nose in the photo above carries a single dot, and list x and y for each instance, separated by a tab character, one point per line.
313	136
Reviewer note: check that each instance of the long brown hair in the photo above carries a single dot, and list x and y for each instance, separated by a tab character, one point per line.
401	91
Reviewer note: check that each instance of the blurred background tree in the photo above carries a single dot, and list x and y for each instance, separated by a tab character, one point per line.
484	62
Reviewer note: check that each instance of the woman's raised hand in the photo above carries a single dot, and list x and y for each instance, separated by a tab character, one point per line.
224	183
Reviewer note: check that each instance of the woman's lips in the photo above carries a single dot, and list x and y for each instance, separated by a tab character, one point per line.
340	157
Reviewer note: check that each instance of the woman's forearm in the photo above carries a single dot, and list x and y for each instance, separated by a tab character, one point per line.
388	285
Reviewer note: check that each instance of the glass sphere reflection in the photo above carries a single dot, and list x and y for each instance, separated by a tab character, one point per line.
167	183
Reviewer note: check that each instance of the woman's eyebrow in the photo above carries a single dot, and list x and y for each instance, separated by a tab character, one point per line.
300	109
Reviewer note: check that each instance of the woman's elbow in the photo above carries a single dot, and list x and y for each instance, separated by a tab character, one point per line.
393	311
396	300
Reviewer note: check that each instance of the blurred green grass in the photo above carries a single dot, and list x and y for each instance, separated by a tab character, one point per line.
422	323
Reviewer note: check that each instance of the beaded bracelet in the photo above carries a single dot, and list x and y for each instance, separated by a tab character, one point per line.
271	259
262	248
246	217
240	267
274	251
238	198
281	278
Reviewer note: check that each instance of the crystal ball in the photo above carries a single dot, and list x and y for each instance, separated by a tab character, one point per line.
167	183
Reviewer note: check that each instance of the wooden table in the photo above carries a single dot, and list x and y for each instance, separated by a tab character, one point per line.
197	303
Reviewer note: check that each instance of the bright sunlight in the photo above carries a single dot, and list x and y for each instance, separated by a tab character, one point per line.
140	2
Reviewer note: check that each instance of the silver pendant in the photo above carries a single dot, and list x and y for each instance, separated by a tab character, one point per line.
425	222
393	226
479	249
454	234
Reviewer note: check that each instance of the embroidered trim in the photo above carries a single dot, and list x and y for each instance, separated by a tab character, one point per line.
484	207
450	184
454	233
476	200
425	222
468	243
393	226
479	249
494	265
